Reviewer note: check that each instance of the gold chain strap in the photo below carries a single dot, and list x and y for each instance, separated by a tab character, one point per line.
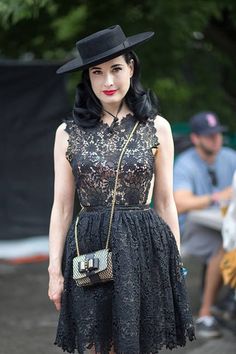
76	235
113	194
116	181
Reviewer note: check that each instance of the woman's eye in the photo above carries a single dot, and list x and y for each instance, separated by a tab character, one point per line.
96	72
117	69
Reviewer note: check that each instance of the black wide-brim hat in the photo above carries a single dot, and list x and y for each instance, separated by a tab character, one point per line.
102	46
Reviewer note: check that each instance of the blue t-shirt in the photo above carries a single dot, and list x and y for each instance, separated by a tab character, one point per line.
191	173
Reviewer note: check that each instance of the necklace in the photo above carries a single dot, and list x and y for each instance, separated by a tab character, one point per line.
114	116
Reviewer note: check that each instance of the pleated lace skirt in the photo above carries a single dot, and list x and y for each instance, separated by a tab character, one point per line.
145	308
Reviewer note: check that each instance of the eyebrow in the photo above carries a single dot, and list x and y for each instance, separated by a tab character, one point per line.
113	66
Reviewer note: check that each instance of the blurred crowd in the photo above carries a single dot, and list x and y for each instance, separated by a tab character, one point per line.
203	182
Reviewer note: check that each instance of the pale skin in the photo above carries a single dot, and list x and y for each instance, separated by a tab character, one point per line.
114	74
207	148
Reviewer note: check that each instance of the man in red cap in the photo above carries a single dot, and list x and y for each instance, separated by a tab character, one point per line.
202	178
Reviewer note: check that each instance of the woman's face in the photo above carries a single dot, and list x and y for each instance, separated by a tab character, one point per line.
110	81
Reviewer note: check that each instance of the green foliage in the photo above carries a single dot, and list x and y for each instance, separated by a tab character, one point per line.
13	11
71	24
190	63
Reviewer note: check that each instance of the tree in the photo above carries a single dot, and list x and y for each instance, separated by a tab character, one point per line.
190	63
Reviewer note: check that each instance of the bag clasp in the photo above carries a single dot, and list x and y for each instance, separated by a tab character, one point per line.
88	265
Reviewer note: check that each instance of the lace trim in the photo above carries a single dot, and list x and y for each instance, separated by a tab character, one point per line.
75	132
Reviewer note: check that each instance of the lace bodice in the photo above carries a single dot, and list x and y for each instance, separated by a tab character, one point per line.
94	153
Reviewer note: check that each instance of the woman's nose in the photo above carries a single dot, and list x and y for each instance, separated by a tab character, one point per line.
108	80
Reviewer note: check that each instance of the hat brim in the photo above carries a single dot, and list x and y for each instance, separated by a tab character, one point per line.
78	64
210	131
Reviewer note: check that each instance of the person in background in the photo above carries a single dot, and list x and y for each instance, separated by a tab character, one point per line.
202	179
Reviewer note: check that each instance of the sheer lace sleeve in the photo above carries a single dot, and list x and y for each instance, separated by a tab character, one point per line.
72	130
154	141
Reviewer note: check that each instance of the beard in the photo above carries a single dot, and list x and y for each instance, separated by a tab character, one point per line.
206	150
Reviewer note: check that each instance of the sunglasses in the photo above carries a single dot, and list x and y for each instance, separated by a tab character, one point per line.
213	177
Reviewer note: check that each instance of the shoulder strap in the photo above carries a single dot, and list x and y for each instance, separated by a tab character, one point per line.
113	193
117	173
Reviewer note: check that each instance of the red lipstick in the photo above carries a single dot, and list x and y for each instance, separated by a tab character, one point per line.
109	92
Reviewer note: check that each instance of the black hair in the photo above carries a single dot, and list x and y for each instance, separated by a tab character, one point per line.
87	108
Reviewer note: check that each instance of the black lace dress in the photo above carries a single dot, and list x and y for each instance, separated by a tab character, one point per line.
145	308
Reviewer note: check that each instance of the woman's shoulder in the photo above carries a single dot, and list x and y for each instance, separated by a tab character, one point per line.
161	122
67	125
61	128
66	138
162	126
61	131
65	132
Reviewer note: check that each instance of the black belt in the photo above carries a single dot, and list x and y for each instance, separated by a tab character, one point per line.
117	207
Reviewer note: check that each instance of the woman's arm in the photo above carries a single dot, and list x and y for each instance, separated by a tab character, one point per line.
61	214
163	198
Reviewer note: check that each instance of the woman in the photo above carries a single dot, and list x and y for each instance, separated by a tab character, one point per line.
145	306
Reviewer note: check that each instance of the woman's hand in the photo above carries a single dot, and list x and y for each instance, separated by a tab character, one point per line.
55	289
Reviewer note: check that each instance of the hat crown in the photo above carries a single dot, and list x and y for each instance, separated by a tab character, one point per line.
205	123
100	42
102	46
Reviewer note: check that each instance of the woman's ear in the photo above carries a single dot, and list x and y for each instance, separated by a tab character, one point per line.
131	65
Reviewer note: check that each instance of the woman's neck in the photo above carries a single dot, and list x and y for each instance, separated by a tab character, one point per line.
115	110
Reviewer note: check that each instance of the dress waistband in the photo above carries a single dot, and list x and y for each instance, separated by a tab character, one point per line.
117	207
